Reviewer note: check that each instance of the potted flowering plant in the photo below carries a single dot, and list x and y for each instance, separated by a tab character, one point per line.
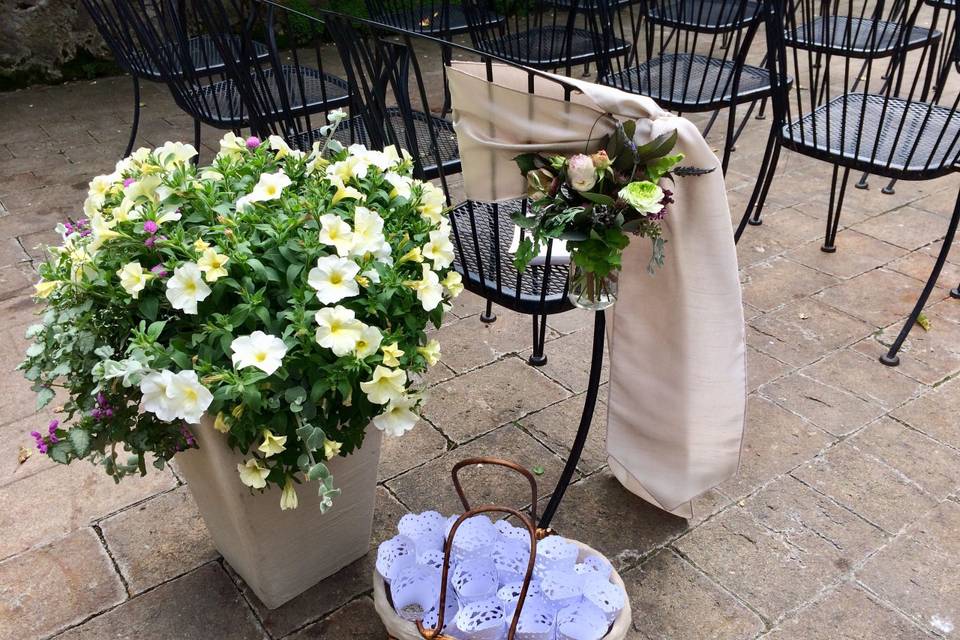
254	317
594	203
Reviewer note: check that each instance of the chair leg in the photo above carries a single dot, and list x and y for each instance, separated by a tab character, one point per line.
538	358
835	207
890	358
862	182
889	189
729	141
768	166
136	116
488	315
586	417
196	141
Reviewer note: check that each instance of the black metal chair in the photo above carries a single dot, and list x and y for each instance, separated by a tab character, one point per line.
880	125
689	56
110	18
542	34
279	83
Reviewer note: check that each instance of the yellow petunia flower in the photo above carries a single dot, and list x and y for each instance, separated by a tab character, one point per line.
391	354
272	444
211	263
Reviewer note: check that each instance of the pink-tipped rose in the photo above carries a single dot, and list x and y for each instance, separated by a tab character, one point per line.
581	172
600	160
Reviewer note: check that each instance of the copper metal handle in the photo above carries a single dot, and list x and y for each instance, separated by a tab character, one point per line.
434	634
501	463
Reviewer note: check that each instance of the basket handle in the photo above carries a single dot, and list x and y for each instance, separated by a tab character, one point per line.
468	462
434	634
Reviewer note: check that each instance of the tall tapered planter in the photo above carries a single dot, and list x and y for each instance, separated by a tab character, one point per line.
281	554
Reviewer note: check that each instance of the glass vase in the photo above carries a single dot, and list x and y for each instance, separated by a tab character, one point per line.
591	291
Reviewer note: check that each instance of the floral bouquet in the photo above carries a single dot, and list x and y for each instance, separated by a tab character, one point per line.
594	202
285	294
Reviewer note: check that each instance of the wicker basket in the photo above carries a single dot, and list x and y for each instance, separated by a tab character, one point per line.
400	629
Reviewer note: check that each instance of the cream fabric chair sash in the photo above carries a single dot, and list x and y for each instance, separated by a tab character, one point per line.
677	348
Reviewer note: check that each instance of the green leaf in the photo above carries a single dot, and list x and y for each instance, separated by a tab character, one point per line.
526	162
656	148
924	322
598	198
657	167
44	396
318	471
148	306
155	329
295	395
60	452
523	221
80	440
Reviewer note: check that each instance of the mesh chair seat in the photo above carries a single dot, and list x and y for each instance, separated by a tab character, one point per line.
429	20
204	56
354	131
943	4
588	5
857	37
482	240
687	81
845	130
709	16
547	47
306	89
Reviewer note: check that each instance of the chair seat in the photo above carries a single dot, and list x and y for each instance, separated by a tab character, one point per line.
429	20
354	130
928	144
319	92
204	56
705	16
547	47
857	37
482	241
691	82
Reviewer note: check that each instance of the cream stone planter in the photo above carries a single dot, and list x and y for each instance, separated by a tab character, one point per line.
281	554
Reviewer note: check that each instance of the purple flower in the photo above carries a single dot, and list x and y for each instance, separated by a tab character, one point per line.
128	182
53	426
36	435
158	271
149	242
151	227
253	142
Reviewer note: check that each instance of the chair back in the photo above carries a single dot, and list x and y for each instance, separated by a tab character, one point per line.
419	16
111	20
688	55
864	93
275	63
542	34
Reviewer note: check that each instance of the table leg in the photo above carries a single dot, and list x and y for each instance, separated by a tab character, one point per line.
586	417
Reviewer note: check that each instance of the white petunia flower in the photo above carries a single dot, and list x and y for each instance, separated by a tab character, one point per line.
430	352
429	290
133	278
282	148
432	202
338	330
334	279
186	288
253	473
188	397
171	395
175	153
272	444
386	385
155	398
401	185
453	283
367	232
146	187
398	418
260	350
269	187
335	232
288	497
232	145
439	249
369	342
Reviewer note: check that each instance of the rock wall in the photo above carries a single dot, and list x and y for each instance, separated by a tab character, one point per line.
38	37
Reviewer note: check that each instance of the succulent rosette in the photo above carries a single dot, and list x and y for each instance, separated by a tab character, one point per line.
285	294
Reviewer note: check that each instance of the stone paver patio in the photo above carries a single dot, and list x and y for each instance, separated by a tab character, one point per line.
843	522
